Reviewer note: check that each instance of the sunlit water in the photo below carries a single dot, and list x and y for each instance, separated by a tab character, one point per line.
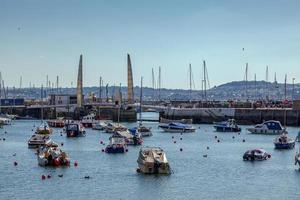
222	175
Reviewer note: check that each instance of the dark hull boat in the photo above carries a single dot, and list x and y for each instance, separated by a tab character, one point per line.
256	154
177	128
116	144
75	130
227	126
284	142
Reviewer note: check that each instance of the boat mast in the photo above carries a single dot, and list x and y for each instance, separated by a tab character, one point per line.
42	106
246	79
141	97
255	85
0	90
153	84
159	82
285	87
204	79
190	75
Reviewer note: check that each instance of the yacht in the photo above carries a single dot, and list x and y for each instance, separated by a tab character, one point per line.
227	126
130	139
143	130
175	127
153	160
88	120
270	127
113	127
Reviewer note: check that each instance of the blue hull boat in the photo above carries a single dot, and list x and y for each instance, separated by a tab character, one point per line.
112	149
227	126
284	142
290	145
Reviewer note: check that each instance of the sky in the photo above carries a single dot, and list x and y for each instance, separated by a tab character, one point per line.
41	37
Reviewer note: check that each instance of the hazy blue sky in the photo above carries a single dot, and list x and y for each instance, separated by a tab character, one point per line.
170	33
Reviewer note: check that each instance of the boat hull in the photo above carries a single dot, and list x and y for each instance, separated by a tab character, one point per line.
115	150
265	131
226	129
177	130
152	168
289	145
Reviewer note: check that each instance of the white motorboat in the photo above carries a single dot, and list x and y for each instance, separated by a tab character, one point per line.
270	127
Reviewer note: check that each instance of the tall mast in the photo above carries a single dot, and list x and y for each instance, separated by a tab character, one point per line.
246	79
190	75
57	84
100	89
204	79
141	99
42	106
285	79
21	82
267	79
153	84
255	84
159	82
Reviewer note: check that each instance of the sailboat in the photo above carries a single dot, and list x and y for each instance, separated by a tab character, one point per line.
141	129
44	128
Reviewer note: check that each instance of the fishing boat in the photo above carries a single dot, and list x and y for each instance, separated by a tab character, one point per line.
256	154
130	139
99	125
297	159
227	126
44	129
116	144
175	127
270	127
74	129
57	123
283	141
88	120
153	160
183	121
37	140
52	156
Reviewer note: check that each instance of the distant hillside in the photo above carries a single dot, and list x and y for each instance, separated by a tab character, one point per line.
234	90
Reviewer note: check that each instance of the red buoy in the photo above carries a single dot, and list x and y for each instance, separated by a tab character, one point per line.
75	164
43	177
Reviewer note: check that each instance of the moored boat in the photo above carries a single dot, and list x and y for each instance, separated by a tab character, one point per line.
256	154
5	120
270	127
88	120
298	137
283	141
99	125
44	129
116	144
183	121
130	139
74	129
143	130
153	160
177	127
52	156
297	159
113	127
57	123
37	140
227	126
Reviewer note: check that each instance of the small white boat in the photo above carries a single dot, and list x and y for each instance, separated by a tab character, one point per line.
130	139
99	125
177	128
38	140
270	127
297	159
153	160
88	120
143	130
283	141
113	127
5	120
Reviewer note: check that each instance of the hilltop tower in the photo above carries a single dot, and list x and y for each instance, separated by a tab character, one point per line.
79	84
129	81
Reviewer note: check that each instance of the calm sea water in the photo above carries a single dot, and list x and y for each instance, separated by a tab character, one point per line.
222	175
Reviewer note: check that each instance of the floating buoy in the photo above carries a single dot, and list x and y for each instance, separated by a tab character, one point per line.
87	177
181	133
43	177
233	137
62	144
172	137
244	140
207	147
31	129
180	149
174	142
205	155
239	133
218	140
15	163
216	137
75	164
5	132
102	150
61	134
101	142
3	139
126	150
49	176
14	154
60	175
180	138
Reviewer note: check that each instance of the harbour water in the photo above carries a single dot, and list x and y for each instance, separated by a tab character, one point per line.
221	175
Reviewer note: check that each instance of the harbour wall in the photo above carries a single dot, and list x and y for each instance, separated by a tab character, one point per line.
290	117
